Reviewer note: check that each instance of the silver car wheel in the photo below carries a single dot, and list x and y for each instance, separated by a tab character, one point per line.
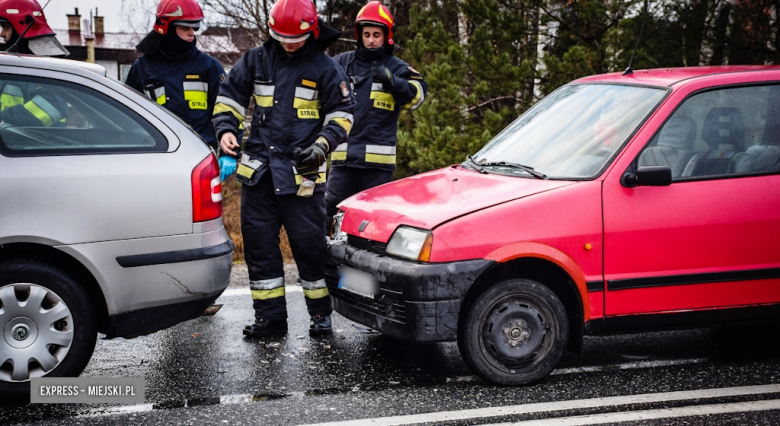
37	329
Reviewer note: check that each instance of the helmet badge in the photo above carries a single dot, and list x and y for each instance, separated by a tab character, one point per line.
305	25
176	13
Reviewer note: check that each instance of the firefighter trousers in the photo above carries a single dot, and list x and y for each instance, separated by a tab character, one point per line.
263	213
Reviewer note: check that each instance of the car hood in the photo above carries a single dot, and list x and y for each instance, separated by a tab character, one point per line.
430	199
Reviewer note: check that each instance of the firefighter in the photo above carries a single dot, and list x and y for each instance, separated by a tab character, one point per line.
303	110
22	103
383	86
173	72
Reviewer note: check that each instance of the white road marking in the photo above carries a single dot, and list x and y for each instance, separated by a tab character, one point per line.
546	407
661	413
601	368
628	366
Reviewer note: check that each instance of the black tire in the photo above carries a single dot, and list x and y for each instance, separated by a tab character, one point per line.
79	326
514	333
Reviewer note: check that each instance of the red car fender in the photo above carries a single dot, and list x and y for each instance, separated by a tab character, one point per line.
543	251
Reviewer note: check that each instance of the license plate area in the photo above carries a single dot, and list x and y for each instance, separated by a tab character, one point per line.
358	282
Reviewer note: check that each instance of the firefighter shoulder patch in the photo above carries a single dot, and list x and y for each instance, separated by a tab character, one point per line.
414	71
344	89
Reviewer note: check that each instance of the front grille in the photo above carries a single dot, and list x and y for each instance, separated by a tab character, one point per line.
382	306
365	244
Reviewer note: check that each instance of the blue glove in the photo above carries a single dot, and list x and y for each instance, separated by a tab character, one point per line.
227	166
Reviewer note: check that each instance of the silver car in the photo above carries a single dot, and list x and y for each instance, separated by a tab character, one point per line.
110	218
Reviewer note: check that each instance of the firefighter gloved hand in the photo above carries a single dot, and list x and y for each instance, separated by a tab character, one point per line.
384	76
308	162
312	157
227	166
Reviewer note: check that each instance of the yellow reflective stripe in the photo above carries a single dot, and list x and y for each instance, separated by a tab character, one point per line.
383	100
192	95
220	108
340	153
161	100
232	104
8	101
245	171
39	113
343	119
379	158
418	99
264	101
382	96
345	123
268	294
316	294
197	99
306	104
320	179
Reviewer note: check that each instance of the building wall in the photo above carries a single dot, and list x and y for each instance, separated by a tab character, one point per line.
112	67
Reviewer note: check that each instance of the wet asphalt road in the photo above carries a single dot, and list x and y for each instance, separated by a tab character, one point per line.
205	372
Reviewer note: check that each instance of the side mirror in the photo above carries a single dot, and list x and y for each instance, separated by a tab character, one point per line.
648	176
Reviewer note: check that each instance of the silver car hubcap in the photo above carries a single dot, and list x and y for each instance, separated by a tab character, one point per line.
37	329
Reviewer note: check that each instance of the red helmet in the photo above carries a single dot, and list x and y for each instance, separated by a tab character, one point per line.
20	13
177	12
375	13
292	21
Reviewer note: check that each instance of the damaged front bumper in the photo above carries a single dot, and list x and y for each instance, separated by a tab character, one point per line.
415	301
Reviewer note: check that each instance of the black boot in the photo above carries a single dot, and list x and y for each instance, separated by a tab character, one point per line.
263	327
320	325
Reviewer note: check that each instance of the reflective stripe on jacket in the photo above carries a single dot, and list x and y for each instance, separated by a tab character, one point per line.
188	87
373	139
26	104
298	98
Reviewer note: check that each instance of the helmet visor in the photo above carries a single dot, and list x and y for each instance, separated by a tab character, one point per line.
294	39
194	24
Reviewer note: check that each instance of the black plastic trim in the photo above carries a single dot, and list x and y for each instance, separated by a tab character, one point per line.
149	320
713	277
595	285
683	320
417	301
176	256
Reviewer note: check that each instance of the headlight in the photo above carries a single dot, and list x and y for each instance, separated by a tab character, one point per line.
335	227
411	243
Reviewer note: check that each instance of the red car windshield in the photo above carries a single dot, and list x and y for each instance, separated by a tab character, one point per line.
572	133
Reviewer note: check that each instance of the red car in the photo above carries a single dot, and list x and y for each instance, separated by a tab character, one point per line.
618	203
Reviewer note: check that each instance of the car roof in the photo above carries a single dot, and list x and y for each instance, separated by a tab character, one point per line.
55	64
669	76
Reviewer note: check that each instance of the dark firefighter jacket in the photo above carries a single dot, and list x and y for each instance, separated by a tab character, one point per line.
25	104
186	86
298	98
372	140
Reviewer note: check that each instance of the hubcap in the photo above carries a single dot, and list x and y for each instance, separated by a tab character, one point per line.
513	333
37	331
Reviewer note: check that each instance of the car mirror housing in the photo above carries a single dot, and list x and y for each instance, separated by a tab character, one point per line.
648	176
